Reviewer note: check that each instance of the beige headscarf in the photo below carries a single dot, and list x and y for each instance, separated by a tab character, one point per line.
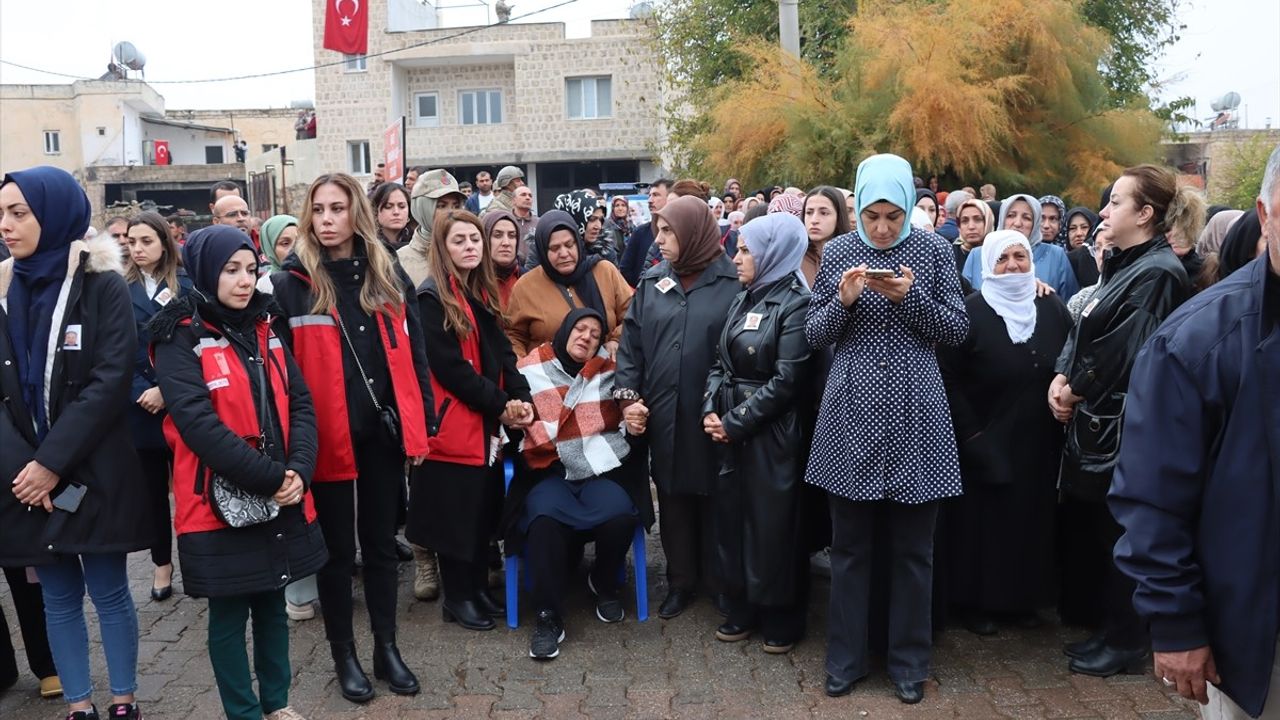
1210	240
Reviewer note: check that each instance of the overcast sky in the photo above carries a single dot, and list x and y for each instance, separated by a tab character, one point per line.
1228	45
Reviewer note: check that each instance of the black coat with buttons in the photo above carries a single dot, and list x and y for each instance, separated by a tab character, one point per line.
668	344
88	443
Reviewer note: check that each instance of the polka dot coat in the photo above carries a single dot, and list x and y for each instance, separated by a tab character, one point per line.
884	427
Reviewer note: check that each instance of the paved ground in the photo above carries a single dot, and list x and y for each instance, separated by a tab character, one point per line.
657	669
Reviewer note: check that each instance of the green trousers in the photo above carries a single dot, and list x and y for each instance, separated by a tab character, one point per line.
228	652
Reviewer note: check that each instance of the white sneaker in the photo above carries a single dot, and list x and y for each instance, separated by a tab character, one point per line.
285	713
300	612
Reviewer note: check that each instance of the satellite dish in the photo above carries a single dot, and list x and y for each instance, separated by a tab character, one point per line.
641	11
129	56
1226	103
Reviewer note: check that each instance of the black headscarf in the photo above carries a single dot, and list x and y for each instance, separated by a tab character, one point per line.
1090	216
561	341
924	192
203	255
582	280
1240	246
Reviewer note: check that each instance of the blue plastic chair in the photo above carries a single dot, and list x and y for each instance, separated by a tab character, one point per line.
512	567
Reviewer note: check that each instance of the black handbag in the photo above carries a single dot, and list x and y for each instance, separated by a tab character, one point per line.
231	503
1092	449
387	415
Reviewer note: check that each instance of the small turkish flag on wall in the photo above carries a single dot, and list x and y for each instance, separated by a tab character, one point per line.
162	152
346	26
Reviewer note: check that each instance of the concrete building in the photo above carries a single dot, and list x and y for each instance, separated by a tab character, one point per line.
572	112
105	133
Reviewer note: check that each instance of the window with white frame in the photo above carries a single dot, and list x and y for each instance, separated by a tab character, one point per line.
52	142
588	98
358	157
426	109
354	63
480	107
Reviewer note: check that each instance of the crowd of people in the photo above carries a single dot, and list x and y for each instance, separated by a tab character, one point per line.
980	410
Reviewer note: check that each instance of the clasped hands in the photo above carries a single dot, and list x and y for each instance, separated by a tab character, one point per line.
713	426
636	417
518	414
291	490
1062	401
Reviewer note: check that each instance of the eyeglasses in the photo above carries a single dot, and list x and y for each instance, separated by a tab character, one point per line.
236	214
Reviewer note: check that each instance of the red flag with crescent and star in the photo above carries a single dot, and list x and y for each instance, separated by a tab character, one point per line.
346	26
162	152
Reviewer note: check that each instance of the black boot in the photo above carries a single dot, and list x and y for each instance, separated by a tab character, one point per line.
1083	648
1107	661
467	614
490	605
388	666
352	681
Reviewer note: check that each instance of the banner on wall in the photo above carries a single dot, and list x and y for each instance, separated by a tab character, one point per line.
393	151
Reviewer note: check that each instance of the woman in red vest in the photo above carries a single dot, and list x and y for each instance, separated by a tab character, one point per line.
352	321
456	496
239	415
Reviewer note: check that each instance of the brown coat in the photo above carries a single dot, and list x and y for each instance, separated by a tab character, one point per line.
537	306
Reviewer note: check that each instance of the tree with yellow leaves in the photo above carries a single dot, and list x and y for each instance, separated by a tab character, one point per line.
1006	92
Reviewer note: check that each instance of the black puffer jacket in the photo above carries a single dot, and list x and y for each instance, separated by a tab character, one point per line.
89	441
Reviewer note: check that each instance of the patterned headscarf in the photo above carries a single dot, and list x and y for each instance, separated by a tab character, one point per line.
788	203
1061	238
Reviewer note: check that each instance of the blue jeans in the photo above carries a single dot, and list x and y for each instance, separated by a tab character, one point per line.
64	584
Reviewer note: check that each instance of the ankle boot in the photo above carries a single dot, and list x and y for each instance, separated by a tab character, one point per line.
387	665
467	614
426	575
352	681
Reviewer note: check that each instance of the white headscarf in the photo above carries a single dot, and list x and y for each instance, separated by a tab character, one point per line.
1011	295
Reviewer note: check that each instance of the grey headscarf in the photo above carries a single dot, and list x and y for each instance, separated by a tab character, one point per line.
777	242
1035	236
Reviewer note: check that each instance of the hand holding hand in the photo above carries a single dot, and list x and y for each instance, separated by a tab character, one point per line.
33	485
851	284
636	417
519	414
612	348
894	288
151	400
713	426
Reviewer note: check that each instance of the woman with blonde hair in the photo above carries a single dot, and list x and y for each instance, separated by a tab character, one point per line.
351	316
456	495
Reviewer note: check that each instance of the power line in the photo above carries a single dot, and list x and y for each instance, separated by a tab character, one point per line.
424	43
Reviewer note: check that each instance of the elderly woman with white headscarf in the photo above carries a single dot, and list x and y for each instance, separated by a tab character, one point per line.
999	534
1022	213
754	403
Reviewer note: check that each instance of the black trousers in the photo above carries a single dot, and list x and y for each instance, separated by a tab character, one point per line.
688	540
157	470
1122	625
28	600
551	547
366	507
910	551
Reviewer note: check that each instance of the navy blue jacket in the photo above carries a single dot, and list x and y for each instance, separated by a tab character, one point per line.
948	229
634	255
1198	482
145	427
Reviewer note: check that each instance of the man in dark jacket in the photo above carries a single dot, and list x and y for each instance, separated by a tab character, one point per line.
1202	528
632	264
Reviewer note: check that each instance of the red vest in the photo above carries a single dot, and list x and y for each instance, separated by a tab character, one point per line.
232	397
318	348
462	438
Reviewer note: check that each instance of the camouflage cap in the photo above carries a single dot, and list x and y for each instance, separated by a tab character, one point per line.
435	184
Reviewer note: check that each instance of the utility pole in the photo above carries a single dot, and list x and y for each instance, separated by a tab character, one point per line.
789	26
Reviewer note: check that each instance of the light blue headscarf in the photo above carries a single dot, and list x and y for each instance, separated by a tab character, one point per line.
1035	236
884	177
777	242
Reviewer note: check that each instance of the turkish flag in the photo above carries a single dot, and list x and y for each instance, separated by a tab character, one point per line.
346	26
162	152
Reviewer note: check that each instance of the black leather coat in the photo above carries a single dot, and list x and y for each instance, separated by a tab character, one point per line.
1140	287
759	386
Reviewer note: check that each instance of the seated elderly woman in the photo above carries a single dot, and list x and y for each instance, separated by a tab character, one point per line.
574	484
